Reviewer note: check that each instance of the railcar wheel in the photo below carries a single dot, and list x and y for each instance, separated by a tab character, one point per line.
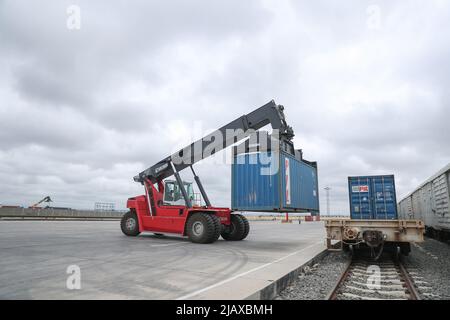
405	248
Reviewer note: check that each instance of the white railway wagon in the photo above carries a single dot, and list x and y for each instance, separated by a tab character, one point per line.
430	202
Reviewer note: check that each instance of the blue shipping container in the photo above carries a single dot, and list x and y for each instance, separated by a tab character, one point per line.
273	181
372	197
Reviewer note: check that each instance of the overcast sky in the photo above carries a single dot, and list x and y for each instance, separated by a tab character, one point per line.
365	85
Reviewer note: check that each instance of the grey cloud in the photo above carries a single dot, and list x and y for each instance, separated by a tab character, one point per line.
113	43
86	110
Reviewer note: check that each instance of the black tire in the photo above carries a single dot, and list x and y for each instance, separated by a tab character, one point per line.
237	230
218	226
130	224
247	227
202	228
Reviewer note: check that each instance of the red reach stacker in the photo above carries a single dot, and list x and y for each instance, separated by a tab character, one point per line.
168	205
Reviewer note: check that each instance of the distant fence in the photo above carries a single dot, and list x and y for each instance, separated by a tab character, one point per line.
282	218
71	214
49	213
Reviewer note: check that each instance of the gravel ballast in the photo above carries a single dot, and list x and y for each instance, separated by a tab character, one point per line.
315	282
429	264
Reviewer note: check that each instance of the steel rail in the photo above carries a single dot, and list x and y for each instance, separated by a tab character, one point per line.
409	282
409	287
333	293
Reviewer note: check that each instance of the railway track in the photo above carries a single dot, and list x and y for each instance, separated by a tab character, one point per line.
386	279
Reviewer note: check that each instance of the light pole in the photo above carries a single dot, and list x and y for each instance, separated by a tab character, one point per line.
327	189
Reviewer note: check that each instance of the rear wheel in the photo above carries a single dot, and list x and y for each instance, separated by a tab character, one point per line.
129	224
218	226
238	228
202	228
247	227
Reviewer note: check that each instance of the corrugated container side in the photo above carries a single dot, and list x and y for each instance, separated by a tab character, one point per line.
260	185
247	182
430	201
372	197
303	184
405	209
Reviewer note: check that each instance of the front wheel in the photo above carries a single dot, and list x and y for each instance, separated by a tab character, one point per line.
203	227
238	228
129	224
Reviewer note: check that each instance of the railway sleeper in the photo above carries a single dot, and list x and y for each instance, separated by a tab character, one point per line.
355	296
374	275
371	273
393	293
392	281
396	286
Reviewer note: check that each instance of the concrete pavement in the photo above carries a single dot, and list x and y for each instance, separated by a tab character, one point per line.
35	255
